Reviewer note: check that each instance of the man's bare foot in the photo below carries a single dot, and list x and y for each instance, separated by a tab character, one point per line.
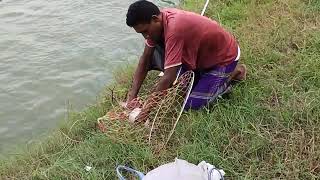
240	73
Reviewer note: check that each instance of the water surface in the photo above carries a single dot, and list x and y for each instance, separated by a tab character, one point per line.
55	53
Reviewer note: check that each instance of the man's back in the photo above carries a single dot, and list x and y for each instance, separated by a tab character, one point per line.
196	41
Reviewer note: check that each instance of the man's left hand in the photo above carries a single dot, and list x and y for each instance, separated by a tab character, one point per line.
168	78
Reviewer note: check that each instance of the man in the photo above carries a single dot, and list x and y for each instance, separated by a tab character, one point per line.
179	39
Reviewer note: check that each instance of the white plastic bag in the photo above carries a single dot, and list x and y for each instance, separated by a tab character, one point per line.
181	169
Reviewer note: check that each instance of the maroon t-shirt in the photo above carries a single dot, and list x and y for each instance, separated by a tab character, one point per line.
195	41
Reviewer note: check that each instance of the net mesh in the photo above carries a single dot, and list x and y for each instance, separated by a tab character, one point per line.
159	111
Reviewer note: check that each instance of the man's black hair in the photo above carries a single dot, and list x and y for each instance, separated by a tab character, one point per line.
141	12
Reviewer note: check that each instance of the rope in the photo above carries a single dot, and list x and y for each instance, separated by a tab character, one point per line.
204	8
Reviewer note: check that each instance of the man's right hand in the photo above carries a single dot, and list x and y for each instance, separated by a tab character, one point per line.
140	73
130	97
132	104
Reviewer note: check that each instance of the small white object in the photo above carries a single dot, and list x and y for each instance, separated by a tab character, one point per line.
133	114
88	168
160	74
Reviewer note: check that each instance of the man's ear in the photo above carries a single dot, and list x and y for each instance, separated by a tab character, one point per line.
155	18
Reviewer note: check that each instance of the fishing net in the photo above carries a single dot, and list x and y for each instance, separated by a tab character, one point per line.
159	111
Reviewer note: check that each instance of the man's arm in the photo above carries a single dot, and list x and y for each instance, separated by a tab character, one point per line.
168	78
141	72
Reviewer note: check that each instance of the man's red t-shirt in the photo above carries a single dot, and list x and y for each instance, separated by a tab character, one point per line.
195	41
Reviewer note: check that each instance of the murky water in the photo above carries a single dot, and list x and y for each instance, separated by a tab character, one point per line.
56	52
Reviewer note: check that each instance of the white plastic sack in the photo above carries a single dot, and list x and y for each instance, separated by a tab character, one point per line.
181	169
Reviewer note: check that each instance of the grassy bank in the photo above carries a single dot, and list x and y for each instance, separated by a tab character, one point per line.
268	128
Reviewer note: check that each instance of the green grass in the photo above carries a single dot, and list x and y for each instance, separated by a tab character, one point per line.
268	128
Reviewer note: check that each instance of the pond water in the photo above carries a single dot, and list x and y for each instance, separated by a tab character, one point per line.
56	53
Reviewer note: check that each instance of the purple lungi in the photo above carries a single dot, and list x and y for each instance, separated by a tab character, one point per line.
209	85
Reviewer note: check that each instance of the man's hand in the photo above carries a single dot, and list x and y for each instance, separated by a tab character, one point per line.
130	97
134	103
168	78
